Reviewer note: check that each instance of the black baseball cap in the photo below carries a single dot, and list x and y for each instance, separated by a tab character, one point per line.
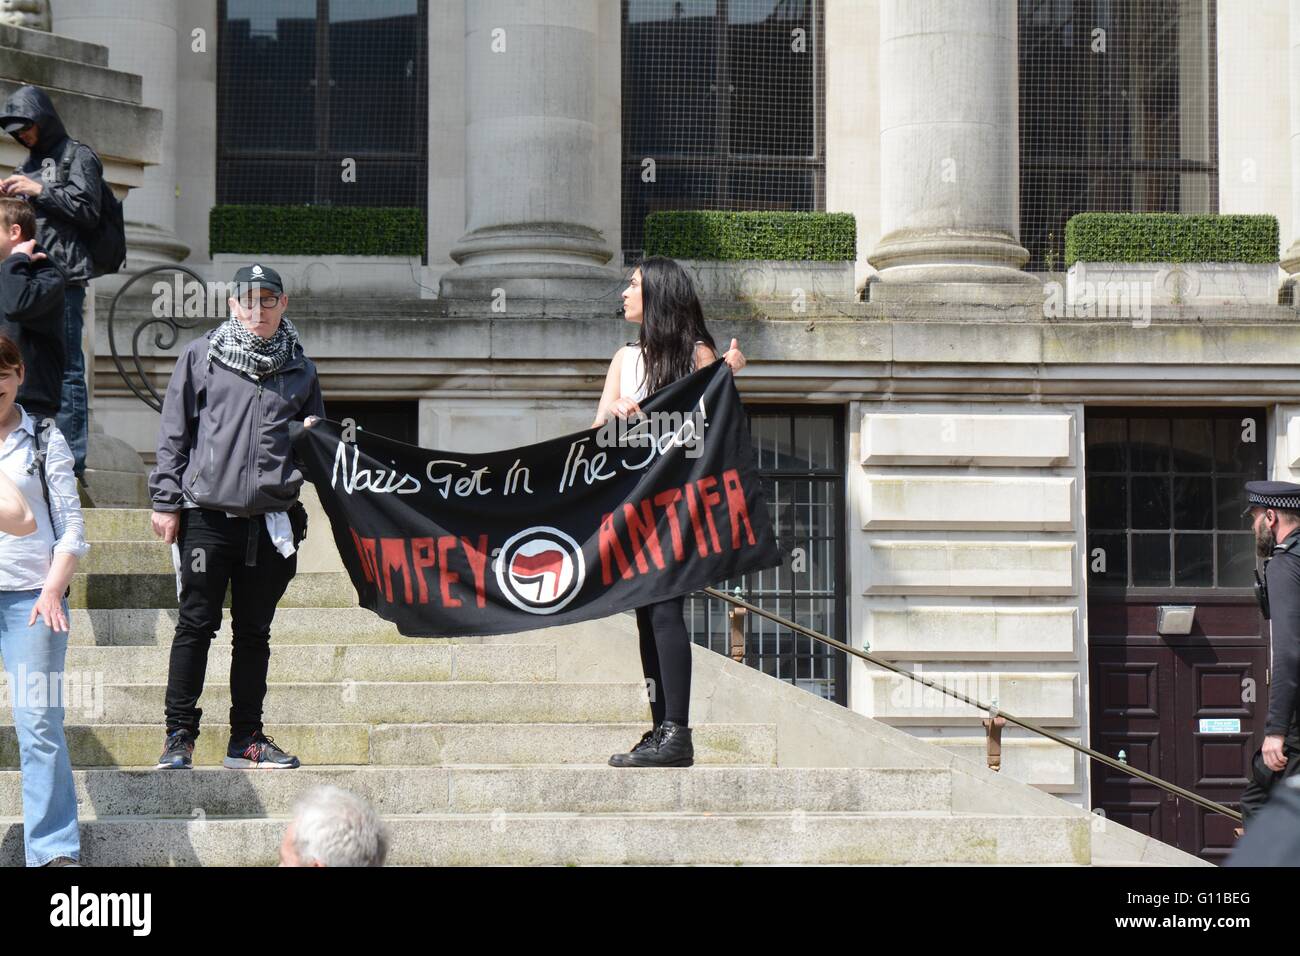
258	274
15	124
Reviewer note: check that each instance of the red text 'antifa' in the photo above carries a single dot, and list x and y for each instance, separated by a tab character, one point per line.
640	526
629	543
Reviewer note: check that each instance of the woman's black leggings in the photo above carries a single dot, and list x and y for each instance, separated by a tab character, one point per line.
666	659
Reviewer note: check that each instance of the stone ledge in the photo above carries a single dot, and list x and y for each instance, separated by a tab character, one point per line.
1037	761
52	73
1045	697
960	438
965	632
957	503
115	129
52	44
968	567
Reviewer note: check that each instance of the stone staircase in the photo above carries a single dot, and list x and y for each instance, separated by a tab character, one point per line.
492	750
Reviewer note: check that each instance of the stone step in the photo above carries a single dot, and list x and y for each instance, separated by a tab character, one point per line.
53	45
126	557
292	625
320	663
218	792
307	589
424	744
602	838
52	72
375	702
120	128
118	524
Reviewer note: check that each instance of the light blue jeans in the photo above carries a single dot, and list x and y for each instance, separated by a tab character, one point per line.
31	654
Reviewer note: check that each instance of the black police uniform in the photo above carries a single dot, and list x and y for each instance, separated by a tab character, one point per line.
1279	593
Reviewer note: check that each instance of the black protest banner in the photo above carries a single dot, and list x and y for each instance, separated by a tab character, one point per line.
576	528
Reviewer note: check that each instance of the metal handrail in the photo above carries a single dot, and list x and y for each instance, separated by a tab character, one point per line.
992	711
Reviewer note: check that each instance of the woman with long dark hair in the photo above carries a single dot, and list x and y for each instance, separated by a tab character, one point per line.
36	567
673	342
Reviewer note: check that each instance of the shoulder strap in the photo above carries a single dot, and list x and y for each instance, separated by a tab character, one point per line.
38	441
39	462
1289	544
65	161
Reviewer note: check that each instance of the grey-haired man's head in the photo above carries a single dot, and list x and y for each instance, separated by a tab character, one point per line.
334	827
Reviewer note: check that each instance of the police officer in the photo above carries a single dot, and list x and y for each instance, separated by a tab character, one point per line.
1274	507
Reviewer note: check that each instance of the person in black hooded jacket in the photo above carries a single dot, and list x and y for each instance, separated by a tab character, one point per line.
65	209
31	308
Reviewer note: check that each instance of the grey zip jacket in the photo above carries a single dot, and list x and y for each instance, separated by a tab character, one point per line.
225	438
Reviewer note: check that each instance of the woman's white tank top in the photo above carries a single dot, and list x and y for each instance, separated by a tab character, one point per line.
632	376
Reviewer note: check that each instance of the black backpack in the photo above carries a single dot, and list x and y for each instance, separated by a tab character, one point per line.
106	240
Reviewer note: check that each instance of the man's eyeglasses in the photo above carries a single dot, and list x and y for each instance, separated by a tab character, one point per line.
266	301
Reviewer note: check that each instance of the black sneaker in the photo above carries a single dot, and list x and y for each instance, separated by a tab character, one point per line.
258	752
669	747
178	753
645	743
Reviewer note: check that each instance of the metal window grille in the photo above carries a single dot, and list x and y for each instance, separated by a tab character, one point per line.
304	85
723	106
1118	113
800	459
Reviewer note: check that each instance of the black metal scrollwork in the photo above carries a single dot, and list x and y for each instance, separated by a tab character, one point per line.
164	338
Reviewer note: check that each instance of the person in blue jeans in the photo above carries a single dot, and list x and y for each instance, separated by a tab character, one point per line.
35	569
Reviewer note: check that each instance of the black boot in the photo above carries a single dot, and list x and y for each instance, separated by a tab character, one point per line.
670	747
645	743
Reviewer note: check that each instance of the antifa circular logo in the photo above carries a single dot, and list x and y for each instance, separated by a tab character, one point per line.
540	570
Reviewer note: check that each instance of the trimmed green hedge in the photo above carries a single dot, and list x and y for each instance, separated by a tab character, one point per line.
1169	237
701	234
316	230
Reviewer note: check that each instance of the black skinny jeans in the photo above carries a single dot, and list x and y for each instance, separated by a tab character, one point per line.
254	592
666	659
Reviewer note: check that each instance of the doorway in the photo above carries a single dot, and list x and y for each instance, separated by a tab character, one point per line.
1164	500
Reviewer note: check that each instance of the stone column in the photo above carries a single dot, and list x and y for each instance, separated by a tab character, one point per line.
1291	258
530	160
949	144
142	37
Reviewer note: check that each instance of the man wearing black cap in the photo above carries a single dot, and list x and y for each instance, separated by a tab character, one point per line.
1275	509
225	492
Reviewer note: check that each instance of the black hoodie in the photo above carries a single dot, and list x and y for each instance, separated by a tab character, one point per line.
31	313
63	209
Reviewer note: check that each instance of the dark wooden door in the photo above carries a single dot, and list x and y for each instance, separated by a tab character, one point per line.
1164	500
1150	694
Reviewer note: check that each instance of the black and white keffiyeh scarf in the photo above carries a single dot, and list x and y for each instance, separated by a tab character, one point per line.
239	348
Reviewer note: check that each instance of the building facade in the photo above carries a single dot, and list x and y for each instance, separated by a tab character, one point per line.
998	495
